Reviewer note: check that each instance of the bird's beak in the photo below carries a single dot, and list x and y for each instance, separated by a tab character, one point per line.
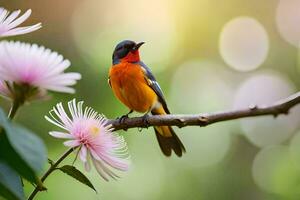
137	46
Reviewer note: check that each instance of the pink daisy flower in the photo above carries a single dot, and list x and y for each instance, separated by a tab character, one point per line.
9	22
89	131
34	67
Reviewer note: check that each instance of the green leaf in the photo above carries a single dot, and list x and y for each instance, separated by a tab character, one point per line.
78	175
10	183
28	146
3	117
21	149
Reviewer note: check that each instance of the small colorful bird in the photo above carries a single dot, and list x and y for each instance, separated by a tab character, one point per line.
135	86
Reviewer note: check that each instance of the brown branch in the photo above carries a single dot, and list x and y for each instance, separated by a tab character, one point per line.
281	107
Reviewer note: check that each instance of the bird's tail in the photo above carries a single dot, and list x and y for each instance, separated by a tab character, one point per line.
166	137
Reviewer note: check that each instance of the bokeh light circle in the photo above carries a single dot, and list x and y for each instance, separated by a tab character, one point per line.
274	172
288	19
205	147
265	89
244	44
97	29
197	88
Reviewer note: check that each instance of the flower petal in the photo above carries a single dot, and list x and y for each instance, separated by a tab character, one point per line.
100	170
115	162
61	135
22	30
12	17
83	154
20	20
87	164
72	143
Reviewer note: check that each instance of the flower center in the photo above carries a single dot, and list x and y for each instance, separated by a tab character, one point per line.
94	130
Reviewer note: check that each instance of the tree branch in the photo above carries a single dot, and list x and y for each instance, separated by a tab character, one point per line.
281	107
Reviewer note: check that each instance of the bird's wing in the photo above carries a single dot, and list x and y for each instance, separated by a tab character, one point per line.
150	79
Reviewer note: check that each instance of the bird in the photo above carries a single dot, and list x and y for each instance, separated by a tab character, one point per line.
134	84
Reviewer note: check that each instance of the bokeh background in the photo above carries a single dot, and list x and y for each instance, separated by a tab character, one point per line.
208	55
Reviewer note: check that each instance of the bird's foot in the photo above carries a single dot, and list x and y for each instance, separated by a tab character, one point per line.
123	117
145	120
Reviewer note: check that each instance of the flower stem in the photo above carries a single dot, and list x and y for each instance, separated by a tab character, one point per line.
49	171
14	108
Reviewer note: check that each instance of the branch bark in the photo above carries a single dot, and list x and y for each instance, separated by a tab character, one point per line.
281	107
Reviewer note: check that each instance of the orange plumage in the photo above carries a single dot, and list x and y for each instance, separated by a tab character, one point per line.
130	87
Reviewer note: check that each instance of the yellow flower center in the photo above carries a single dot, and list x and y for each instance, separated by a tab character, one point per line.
94	130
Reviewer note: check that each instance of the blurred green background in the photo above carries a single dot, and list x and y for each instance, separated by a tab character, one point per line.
208	55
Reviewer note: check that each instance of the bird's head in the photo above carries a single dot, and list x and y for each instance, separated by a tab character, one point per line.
127	51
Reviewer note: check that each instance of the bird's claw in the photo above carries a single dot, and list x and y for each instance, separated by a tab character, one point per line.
122	118
145	120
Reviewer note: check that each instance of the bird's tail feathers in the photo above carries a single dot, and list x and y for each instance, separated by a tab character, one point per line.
166	137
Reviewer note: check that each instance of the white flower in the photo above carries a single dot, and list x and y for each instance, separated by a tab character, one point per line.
9	22
89	131
32	66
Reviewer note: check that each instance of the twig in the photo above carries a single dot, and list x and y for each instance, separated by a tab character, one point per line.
281	107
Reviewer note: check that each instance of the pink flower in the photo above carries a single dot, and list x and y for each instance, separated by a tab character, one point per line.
89	131
9	22
36	67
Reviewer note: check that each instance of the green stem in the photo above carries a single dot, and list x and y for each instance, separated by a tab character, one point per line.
12	112
14	108
49	171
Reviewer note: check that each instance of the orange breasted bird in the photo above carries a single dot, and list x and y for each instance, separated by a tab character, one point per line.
135	86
